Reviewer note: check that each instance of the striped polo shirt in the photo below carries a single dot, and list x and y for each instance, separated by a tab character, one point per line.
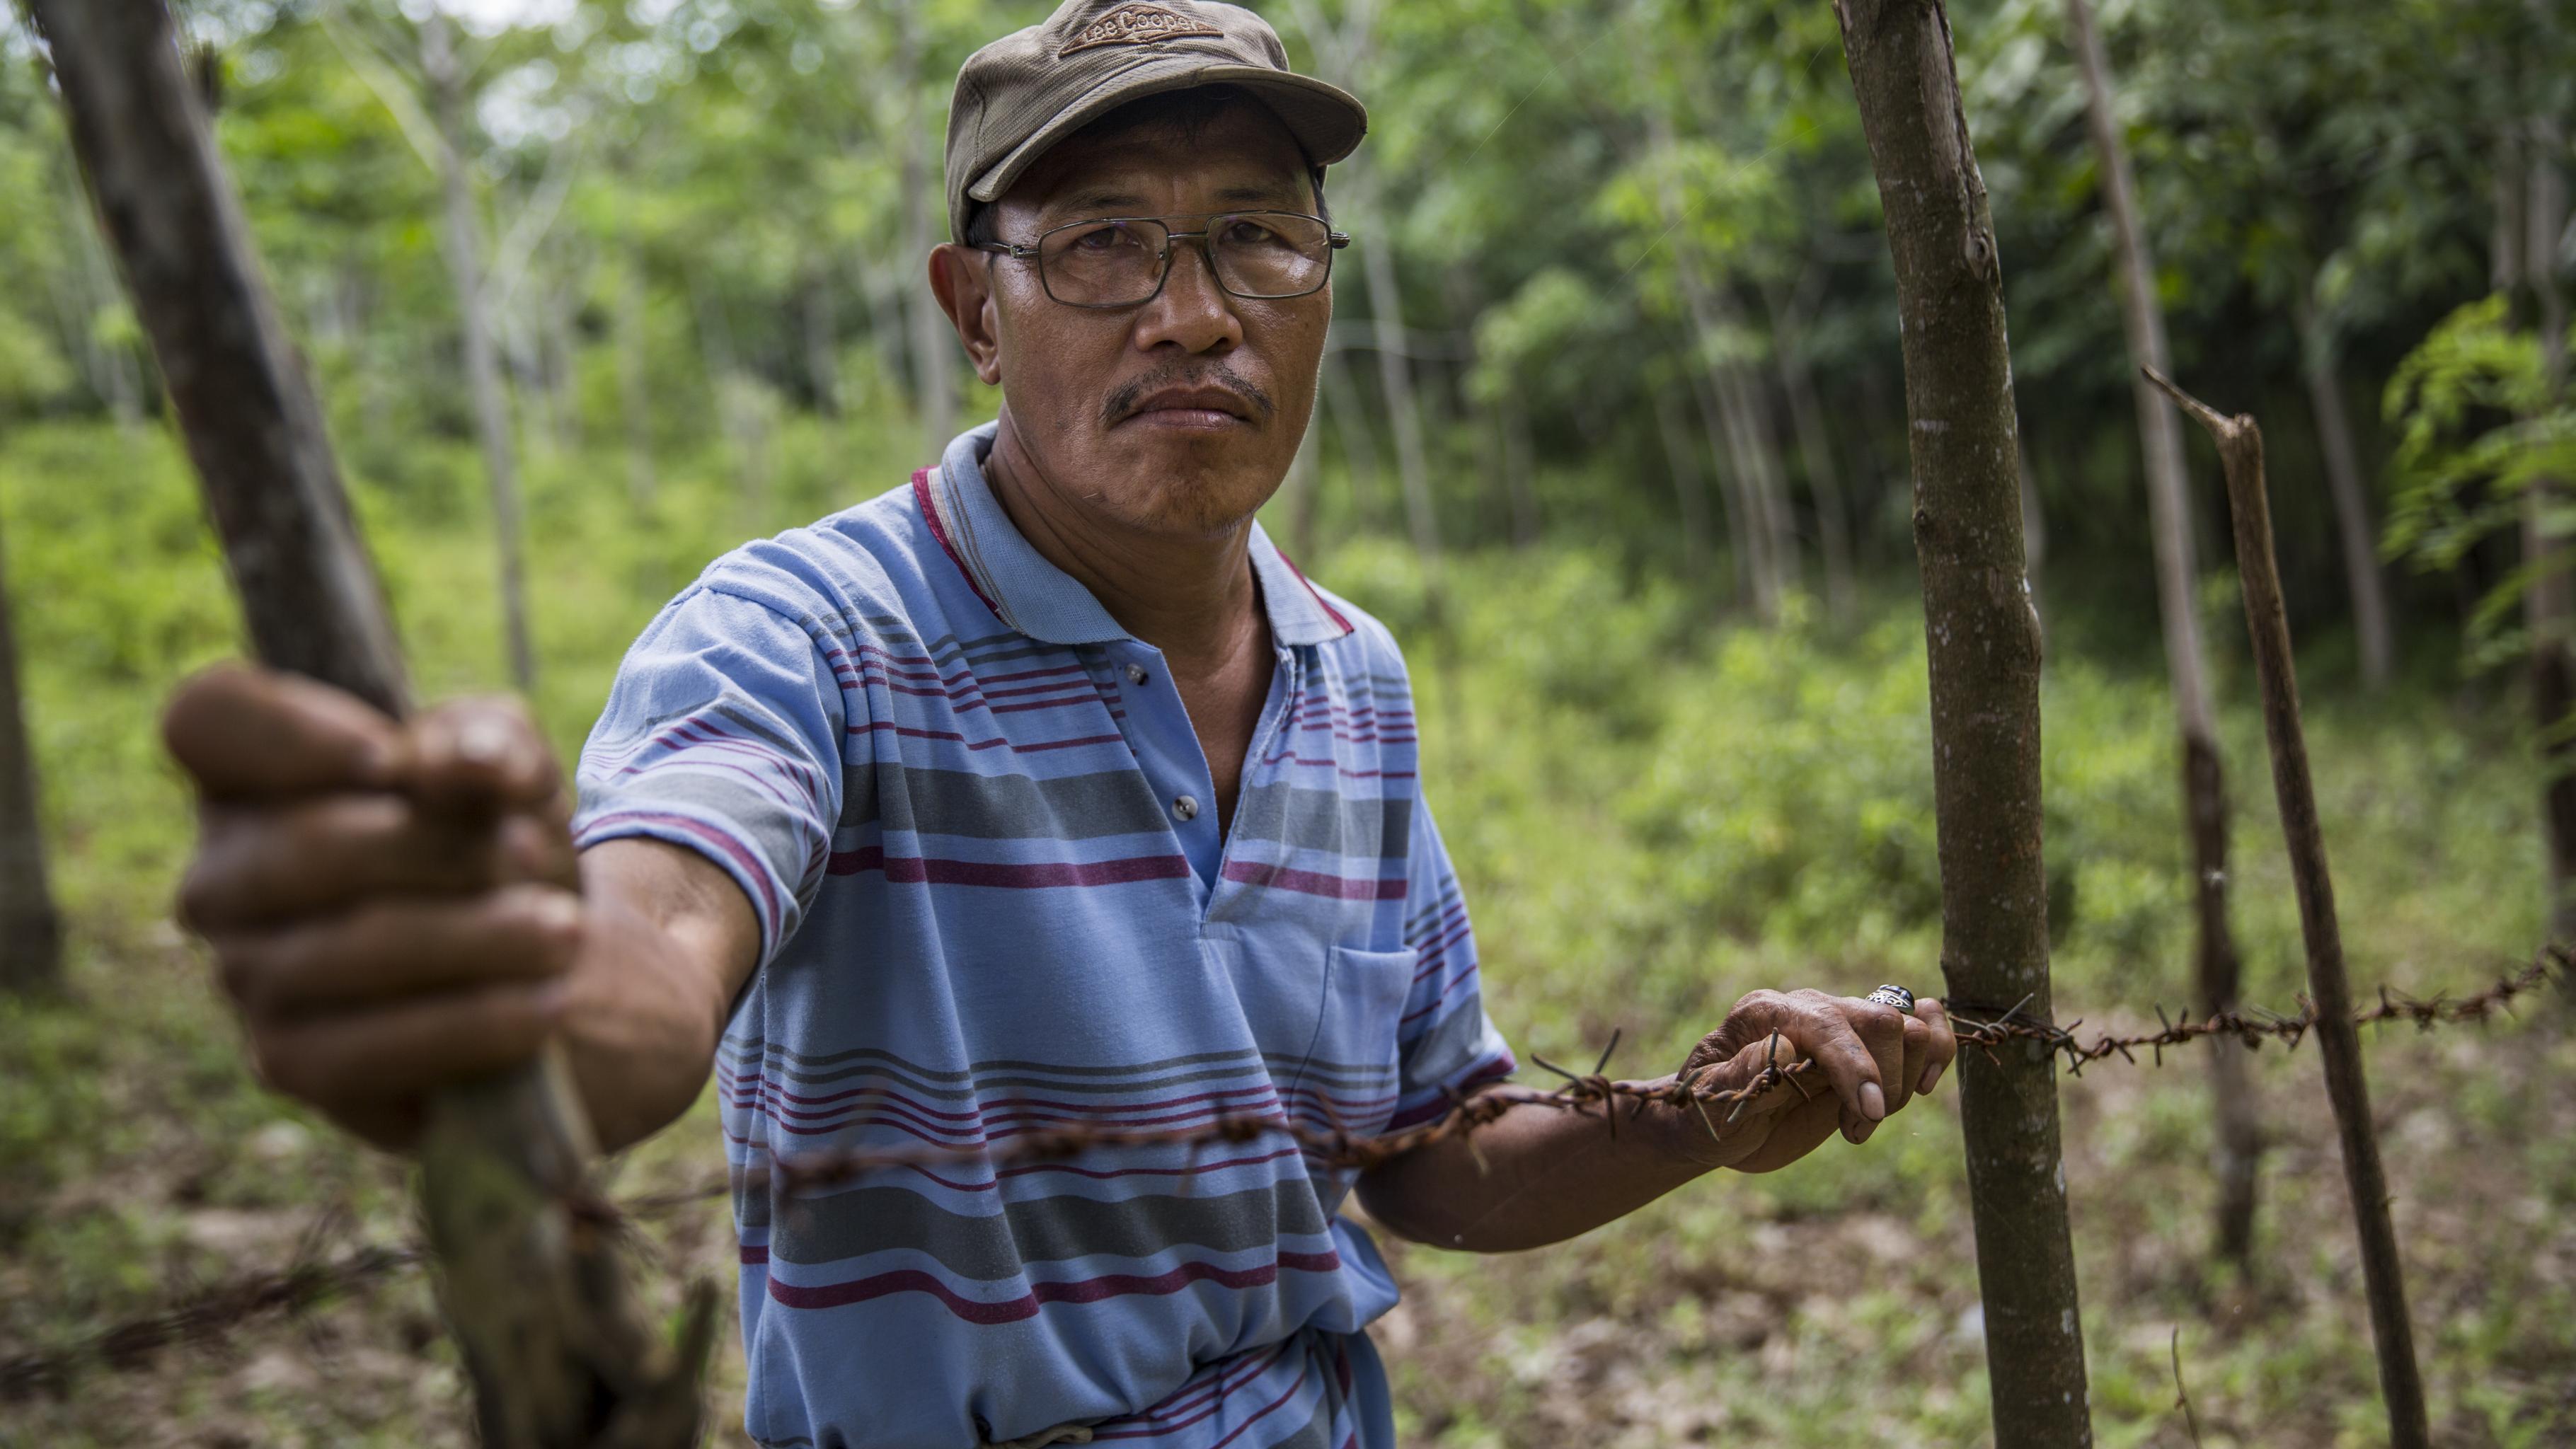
982	843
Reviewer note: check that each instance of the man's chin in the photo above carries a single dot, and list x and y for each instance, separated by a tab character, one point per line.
1192	483
1194	504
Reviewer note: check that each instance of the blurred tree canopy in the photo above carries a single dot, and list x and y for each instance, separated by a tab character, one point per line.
1628	252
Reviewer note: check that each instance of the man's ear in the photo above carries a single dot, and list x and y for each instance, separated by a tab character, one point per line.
965	292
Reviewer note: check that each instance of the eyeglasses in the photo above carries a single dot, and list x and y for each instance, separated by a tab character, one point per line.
1122	261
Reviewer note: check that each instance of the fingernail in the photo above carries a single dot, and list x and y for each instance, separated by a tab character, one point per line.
1873	1102
1931	1076
1858	1132
559	913
482	741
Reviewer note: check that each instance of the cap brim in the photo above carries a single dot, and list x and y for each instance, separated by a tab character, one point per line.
1327	121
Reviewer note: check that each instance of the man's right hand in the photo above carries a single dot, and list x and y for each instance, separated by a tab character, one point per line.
394	904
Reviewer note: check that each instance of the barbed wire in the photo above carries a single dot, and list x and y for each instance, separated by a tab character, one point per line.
2256	1025
211	1312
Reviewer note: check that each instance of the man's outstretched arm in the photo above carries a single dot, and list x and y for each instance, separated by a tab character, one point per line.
397	906
1541	1174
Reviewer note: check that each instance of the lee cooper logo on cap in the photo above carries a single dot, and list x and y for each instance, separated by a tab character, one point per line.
1134	25
1032	88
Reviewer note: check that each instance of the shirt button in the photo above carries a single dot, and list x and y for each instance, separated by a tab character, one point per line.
1136	674
1186	807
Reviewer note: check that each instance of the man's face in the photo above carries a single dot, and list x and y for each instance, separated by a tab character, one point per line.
1181	414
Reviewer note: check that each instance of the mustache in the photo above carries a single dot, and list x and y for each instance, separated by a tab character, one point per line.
1123	402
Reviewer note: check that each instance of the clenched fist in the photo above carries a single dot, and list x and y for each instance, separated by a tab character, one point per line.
393	904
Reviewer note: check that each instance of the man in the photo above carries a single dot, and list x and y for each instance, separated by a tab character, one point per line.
1040	792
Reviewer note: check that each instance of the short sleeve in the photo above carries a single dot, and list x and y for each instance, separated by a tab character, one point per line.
723	734
1446	1044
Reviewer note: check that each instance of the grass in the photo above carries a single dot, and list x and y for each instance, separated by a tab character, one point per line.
1653	813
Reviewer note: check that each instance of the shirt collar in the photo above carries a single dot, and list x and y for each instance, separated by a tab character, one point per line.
1046	603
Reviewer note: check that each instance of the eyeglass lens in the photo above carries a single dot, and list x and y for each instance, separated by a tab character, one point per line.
1119	262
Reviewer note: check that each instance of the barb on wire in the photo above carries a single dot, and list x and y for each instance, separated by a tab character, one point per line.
209	1314
206	1315
2254	1025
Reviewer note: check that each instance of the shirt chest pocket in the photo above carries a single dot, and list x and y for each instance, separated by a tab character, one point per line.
1326	1019
1355	1062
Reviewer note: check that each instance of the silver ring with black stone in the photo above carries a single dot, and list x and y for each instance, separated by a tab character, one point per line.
1896	996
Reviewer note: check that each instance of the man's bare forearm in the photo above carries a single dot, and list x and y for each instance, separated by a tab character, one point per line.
668	941
1537	1175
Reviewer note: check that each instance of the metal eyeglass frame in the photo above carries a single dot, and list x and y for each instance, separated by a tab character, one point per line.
1333	241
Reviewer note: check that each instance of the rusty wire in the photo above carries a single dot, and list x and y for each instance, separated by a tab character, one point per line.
2257	1024
209	1313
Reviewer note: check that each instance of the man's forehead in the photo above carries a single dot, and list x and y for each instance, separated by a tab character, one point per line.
1240	157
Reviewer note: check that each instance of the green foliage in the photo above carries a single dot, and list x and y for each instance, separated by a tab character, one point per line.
2479	429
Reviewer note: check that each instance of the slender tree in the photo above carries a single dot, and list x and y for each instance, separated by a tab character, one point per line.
31	930
1518	470
1339	400
934	344
1344	54
462	240
1815	448
2238	1138
2549	599
2355	529
1385	297
1690	493
634	389
1983	641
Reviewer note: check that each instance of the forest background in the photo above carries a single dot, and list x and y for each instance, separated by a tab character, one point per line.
1613	436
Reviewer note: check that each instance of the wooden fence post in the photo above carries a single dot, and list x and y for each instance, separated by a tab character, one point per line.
559	1355
1983	638
2240	456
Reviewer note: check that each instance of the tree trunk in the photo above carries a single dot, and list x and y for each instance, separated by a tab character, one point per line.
934	361
1761	536
2401	1384
1395	376
552	1342
634	389
1341	398
2034	533
1756	584
31	930
1517	472
819	329
2237	1136
2354	526
1304	482
1690	492
1984	650
740	404
464	249
1815	449
1748	416
2549	605
562	353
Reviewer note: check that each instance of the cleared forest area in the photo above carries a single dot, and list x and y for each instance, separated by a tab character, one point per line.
1613	434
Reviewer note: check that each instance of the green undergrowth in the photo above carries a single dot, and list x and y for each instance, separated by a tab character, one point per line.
1654	809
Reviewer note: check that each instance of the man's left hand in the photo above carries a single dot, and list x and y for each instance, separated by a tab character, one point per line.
1867	1060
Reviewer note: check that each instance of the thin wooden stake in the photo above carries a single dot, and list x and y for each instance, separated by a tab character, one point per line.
560	1355
2240	455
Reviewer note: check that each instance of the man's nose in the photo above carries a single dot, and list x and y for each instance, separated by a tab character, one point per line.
1192	311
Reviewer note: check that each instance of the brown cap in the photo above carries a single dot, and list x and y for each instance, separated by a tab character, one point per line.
1032	88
